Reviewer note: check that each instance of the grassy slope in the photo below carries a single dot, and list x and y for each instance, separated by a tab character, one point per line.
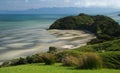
107	46
57	68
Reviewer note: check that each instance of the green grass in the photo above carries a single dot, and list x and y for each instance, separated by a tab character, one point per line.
57	68
106	46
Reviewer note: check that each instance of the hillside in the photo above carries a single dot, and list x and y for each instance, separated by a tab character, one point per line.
104	27
106	46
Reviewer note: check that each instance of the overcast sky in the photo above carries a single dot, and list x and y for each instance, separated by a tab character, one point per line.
29	4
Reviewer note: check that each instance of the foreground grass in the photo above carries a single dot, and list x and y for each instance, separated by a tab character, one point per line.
57	68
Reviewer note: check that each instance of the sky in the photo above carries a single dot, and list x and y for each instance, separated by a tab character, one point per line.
35	4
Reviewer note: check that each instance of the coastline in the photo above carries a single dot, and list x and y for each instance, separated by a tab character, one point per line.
63	40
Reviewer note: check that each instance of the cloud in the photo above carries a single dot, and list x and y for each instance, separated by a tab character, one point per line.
29	4
66	1
98	3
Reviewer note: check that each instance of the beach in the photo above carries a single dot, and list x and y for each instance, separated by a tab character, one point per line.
61	39
69	39
20	37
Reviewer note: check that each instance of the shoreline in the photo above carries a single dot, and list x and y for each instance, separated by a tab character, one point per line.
74	38
61	39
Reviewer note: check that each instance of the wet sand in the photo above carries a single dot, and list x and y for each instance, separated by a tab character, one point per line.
72	38
15	47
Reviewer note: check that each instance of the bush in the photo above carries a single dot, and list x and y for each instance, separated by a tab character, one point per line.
90	61
111	60
19	61
52	50
70	61
37	58
29	59
5	64
49	58
81	60
61	55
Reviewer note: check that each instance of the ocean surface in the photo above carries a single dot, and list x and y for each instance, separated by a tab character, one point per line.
24	33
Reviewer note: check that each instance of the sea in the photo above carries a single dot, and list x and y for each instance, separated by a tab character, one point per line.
25	34
22	34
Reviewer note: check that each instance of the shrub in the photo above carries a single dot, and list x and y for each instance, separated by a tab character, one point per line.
49	58
19	61
90	61
37	58
70	61
111	60
52	50
81	60
5	64
61	55
30	59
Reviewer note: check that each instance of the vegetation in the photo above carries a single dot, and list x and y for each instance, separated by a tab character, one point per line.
19	61
107	54
56	68
49	58
84	61
105	28
70	61
102	47
90	61
111	59
37	58
52	50
86	57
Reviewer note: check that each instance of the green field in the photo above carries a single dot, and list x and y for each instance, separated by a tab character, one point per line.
57	68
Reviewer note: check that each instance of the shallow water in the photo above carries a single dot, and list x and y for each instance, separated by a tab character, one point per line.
22	35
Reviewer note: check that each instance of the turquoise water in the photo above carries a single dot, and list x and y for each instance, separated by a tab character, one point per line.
19	21
22	33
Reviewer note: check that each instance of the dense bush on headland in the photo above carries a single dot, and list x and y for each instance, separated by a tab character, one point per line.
105	28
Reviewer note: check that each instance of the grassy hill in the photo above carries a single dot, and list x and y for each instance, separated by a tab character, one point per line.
57	68
106	46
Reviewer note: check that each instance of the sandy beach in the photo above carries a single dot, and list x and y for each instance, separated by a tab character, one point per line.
61	39
72	38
